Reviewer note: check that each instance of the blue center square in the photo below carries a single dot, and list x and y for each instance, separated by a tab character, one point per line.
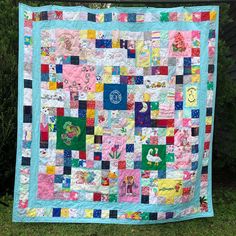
115	97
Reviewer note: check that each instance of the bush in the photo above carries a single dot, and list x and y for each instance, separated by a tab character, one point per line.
225	121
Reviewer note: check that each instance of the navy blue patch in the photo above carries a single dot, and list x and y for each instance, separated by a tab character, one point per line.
131	53
45	77
25	161
58	179
97	213
129	147
132	17
195	113
74	60
115	97
108	17
59	68
27	83
178	105
103	43
91	17
113	214
56	212
137	164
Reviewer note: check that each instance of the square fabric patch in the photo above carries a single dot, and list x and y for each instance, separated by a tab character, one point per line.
71	133
117	123
115	97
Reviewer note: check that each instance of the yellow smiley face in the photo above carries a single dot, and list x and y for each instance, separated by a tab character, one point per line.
191	96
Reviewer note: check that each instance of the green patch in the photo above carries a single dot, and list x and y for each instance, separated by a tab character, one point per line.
113	198
164	16
145	216
170	157
153	157
154	106
71	133
75	162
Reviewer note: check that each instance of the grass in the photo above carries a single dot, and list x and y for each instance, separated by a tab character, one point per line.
223	223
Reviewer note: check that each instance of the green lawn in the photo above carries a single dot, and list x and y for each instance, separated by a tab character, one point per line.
224	223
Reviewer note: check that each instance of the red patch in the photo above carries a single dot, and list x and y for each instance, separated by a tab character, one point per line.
60	111
205	16
195	52
208	129
121	165
206	145
44	68
82	155
44	136
89	121
90	104
170	140
97	197
163	70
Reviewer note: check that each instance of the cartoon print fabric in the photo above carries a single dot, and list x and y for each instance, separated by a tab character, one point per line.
115	114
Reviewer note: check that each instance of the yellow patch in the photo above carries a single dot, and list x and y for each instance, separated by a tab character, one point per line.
170	131
90	96
195	78
155	52
154	114
208	120
83	34
98	130
88	213
50	170
65	212
191	96
146	97
91	34
170	188
31	212
107	75
52	85
143	55
213	15
99	88
123	70
115	44
90	139
90	113
188	16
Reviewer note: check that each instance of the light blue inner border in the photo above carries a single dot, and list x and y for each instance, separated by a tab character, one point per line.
127	25
43	25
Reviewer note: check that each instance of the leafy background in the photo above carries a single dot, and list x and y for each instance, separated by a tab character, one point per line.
224	151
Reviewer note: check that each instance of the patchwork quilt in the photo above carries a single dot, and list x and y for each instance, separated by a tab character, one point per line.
115	114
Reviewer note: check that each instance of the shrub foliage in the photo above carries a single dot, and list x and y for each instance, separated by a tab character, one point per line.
225	118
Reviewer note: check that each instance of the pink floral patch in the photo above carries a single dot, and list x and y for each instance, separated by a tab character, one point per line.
113	148
45	186
180	43
79	78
